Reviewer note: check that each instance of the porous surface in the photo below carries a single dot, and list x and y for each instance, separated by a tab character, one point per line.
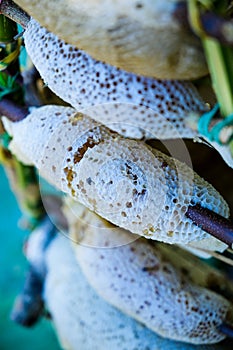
46	118
124	181
139	279
82	319
85	321
143	37
132	105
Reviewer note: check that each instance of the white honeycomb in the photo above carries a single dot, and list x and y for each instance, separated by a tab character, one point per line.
124	181
130	104
84	320
141	281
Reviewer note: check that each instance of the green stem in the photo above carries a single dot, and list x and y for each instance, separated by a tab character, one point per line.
23	179
219	58
8	29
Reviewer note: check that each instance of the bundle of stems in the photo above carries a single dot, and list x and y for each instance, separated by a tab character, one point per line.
23	179
219	56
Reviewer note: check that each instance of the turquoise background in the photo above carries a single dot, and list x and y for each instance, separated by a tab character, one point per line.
13	266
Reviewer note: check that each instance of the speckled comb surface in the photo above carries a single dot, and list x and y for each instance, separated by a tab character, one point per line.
83	319
133	105
141	281
125	181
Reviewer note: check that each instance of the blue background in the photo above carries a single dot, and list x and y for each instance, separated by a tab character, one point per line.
13	266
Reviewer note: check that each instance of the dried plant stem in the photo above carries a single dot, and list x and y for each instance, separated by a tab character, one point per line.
9	9
29	305
230	251
211	222
226	329
12	111
215	255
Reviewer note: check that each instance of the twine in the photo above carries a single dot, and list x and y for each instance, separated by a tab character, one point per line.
213	134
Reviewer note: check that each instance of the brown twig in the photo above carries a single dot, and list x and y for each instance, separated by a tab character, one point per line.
9	9
211	222
29	304
12	111
226	329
